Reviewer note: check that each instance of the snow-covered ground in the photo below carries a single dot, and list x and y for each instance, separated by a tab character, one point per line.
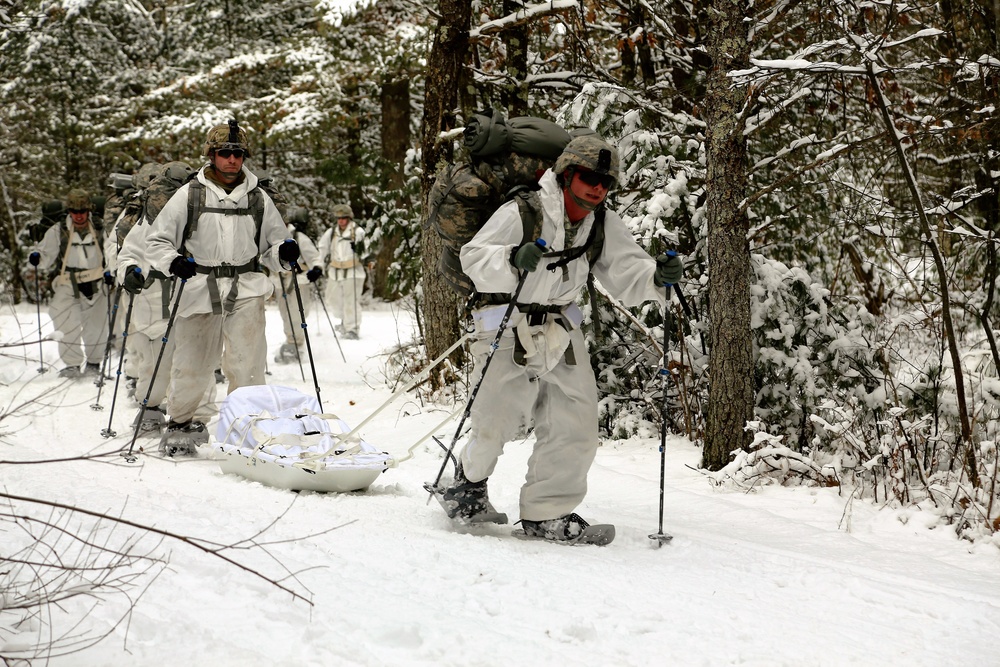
780	576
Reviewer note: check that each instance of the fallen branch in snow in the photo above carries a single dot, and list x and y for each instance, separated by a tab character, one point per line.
62	558
769	460
213	548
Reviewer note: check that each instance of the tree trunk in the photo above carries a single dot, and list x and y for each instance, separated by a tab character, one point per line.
731	393
444	69
395	140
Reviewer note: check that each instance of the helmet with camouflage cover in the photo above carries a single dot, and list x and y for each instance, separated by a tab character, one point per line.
230	136
142	178
343	211
590	152
53	210
78	200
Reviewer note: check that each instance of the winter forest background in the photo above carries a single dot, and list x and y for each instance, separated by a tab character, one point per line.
837	160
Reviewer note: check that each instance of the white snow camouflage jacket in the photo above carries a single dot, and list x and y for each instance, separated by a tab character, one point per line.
219	240
623	267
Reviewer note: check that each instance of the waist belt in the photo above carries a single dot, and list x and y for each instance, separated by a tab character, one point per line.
225	271
537	314
84	281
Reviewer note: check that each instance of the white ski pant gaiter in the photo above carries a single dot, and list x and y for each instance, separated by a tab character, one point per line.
142	354
563	405
83	324
237	338
344	297
293	326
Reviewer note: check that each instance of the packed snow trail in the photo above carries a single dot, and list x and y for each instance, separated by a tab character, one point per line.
780	576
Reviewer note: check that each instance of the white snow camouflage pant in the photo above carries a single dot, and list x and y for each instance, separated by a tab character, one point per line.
142	354
288	304
563	405
82	322
344	297
201	341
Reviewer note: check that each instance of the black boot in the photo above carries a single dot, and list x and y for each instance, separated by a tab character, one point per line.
565	528
466	502
465	499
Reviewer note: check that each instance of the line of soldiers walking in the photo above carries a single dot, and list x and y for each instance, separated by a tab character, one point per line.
194	254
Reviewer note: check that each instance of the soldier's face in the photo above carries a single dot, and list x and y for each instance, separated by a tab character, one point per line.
342	222
79	217
227	163
590	187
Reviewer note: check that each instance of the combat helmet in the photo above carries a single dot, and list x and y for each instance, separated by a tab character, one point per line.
78	200
343	211
298	217
229	136
147	172
53	210
590	152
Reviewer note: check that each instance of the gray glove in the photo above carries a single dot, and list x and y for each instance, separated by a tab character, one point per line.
669	270
526	256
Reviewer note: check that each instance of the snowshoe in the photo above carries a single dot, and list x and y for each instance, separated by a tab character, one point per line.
569	529
286	354
466	502
153	419
351	335
182	439
70	373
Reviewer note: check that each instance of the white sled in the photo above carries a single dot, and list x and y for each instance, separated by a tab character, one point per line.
277	436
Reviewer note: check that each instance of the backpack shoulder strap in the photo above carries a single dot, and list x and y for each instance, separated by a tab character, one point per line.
529	208
595	242
255	202
195	205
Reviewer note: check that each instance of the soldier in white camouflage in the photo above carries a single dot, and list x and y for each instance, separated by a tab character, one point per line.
342	248
540	371
217	253
72	254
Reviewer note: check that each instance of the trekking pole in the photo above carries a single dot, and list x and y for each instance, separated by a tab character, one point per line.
319	297
305	332
156	368
288	311
354	284
108	432
659	536
38	312
113	310
486	365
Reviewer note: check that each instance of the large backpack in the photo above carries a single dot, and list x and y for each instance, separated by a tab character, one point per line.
505	160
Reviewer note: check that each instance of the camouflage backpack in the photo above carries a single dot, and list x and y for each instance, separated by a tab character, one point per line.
506	159
176	174
134	200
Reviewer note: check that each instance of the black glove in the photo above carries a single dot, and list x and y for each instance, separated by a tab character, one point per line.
526	256
134	282
288	251
669	270
354	247
108	278
183	268
314	274
34	258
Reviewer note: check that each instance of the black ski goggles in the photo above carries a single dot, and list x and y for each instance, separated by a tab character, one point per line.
593	179
227	153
